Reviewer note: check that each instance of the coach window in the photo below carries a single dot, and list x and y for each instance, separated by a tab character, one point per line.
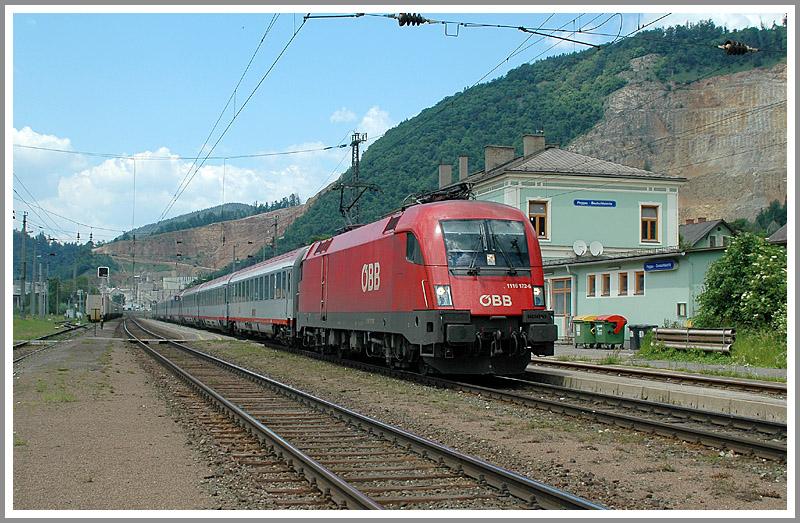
271	286
413	250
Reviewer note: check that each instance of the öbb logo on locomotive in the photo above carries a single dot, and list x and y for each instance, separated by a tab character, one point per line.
371	277
495	300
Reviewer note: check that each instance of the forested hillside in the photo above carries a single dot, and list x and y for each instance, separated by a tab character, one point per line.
61	258
563	96
219	213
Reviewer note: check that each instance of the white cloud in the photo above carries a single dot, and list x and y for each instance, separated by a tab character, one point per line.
375	123
343	115
50	163
103	195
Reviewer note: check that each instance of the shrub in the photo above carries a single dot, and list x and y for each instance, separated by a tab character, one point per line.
746	288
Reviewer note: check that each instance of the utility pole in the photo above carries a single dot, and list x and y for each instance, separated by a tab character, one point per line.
33	280
350	212
24	263
75	274
357	139
275	237
41	292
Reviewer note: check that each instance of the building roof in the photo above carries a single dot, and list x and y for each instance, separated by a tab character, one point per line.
694	232
560	161
778	236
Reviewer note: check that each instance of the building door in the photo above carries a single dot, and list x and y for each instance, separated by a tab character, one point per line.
561	302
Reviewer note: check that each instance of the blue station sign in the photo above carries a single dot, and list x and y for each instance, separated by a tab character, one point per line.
595	203
660	265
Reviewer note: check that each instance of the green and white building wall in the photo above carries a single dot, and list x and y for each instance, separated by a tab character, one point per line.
602	225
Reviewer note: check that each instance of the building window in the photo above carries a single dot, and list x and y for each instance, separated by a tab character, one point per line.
726	240
712	241
562	296
537	212
590	285
649	218
681	310
639	289
605	285
623	284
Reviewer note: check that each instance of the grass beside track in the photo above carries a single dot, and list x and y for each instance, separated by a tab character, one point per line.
751	349
29	328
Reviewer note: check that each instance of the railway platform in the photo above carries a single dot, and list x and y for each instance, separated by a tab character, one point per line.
742	403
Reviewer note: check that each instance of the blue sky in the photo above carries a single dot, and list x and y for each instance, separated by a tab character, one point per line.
154	84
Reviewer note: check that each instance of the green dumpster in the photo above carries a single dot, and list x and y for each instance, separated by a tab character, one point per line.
584	330
609	330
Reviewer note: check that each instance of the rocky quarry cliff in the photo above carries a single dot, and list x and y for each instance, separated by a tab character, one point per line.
202	248
726	135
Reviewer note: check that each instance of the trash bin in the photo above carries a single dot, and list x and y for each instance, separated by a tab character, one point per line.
609	330
637	334
584	330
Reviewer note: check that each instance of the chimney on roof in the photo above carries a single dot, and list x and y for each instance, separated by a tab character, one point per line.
701	219
532	143
445	175
495	155
689	221
463	168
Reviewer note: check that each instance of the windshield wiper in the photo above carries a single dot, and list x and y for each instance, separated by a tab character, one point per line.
473	270
511	269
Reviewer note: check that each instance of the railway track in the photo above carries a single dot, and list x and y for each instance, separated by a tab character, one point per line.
763	387
21	349
715	430
354	460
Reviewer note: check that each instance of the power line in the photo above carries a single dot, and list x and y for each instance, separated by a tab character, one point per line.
49	212
138	157
224	132
231	97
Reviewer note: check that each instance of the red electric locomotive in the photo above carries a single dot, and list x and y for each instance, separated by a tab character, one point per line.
453	286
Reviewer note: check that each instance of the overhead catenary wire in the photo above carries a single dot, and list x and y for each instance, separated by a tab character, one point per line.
241	108
231	97
140	157
65	217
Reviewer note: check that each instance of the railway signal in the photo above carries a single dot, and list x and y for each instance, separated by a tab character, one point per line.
734	47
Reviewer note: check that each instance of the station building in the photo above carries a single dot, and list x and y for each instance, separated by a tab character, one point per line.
609	234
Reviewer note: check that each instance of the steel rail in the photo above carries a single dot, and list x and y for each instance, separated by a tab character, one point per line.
47	336
504	480
716	418
744	384
763	449
341	492
23	343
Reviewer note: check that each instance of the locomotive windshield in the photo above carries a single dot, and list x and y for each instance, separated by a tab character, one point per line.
486	244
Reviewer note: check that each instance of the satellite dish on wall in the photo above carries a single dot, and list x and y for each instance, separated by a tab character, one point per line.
579	247
596	248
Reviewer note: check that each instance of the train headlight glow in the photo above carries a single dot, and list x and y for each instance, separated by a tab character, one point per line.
538	296
443	296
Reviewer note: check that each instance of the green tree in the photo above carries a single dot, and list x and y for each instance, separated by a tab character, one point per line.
746	288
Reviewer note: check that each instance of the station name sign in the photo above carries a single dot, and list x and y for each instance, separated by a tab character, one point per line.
661	265
595	203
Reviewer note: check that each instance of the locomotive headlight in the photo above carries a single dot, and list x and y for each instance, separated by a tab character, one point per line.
443	296
538	296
